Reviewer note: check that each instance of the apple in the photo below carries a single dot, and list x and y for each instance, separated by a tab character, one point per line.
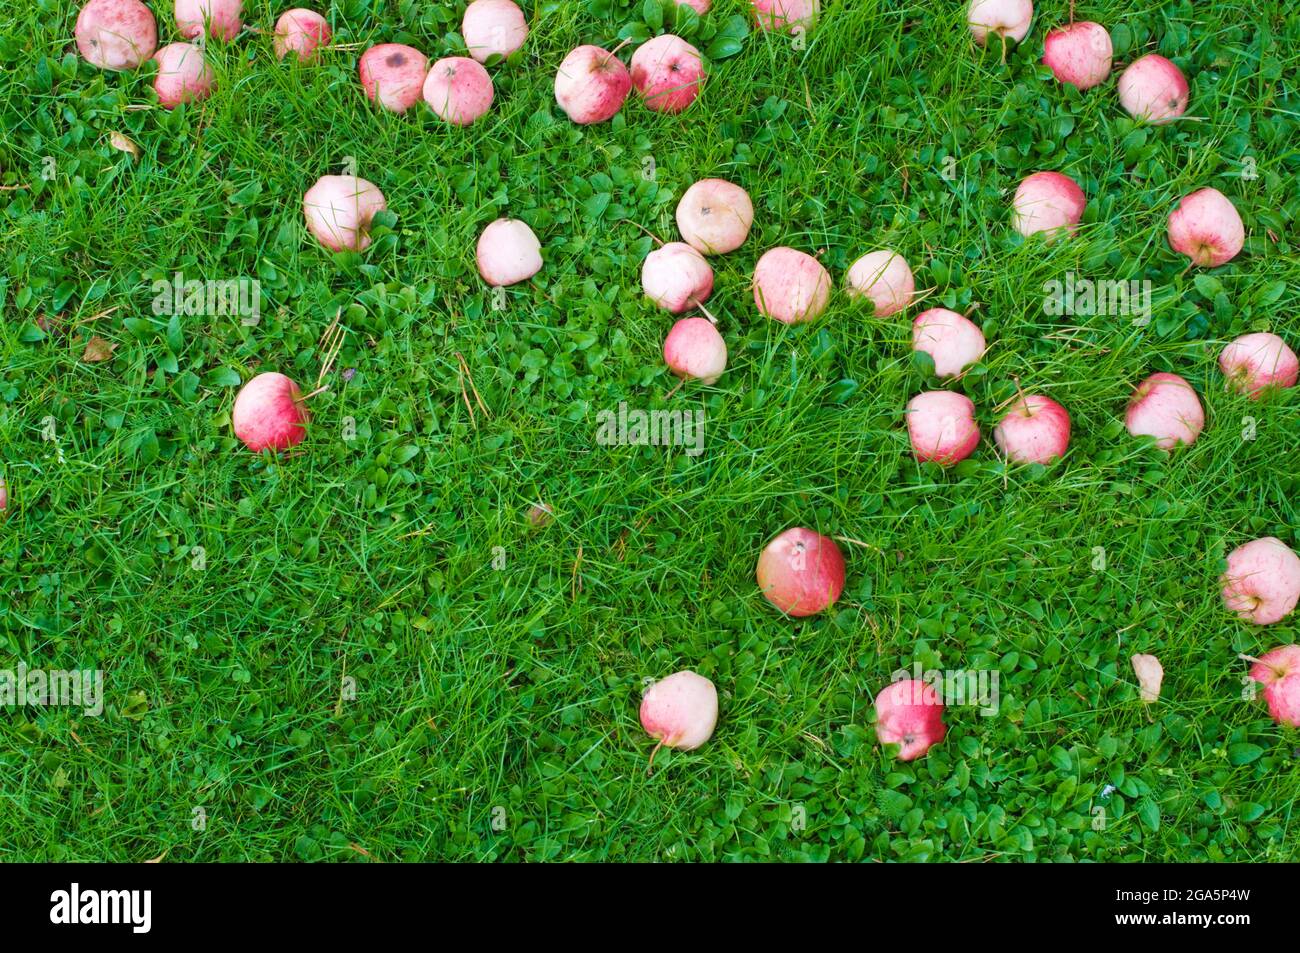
1166	407
681	711
1035	430
493	28
714	216
884	278
220	18
1047	202
668	73
116	34
1278	671
591	85
4	495
909	714
953	341
539	516
695	349
1262	582
269	413
508	252
801	572
392	75
791	286
788	15
1154	89
1255	362
676	277
339	209
183	75
1206	228
941	426
458	89
1078	54
1001	18
301	31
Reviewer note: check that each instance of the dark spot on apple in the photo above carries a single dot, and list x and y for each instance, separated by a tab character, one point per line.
396	59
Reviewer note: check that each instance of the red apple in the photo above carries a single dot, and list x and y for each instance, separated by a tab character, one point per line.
1035	430
668	73
1262	583
1078	54
269	414
301	31
1006	19
676	277
1206	228
539	516
339	209
952	340
591	85
1279	672
941	426
695	349
508	252
681	711
714	216
458	89
791	286
1166	407
1256	362
116	34
1047	202
909	714
493	28
220	18
787	15
1154	89
392	75
801	572
183	75
884	279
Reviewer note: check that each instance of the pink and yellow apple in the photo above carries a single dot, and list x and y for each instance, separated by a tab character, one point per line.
1279	672
695	349
302	32
941	427
1036	429
676	277
1078	54
714	216
183	75
1166	407
801	572
222	19
116	34
668	73
791	286
1262	582
883	278
508	252
269	413
953	341
339	210
1256	362
1005	19
909	713
1206	228
1154	89
786	15
680	711
1047	202
591	85
458	90
493	28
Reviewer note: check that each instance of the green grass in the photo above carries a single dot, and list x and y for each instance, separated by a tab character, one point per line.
510	695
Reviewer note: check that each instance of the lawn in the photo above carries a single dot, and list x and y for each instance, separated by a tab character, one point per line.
361	650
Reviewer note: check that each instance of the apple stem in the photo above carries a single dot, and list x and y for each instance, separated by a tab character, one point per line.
1248	658
707	313
652	757
1003	38
644	229
304	398
676	388
1071	12
610	54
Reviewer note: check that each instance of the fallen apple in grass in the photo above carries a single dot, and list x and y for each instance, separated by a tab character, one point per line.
1001	18
676	277
301	31
953	341
1262	582
339	210
4	495
1150	675
392	74
786	14
458	90
909	714
1047	202
116	34
508	252
1166	407
222	19
1255	362
714	216
493	28
539	516
801	572
941	427
695	349
591	85
883	278
1035	430
1206	228
1278	670
183	75
680	711
1078	54
269	413
668	73
1154	89
791	286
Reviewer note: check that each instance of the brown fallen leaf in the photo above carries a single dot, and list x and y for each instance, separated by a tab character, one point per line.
1150	674
122	144
97	349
